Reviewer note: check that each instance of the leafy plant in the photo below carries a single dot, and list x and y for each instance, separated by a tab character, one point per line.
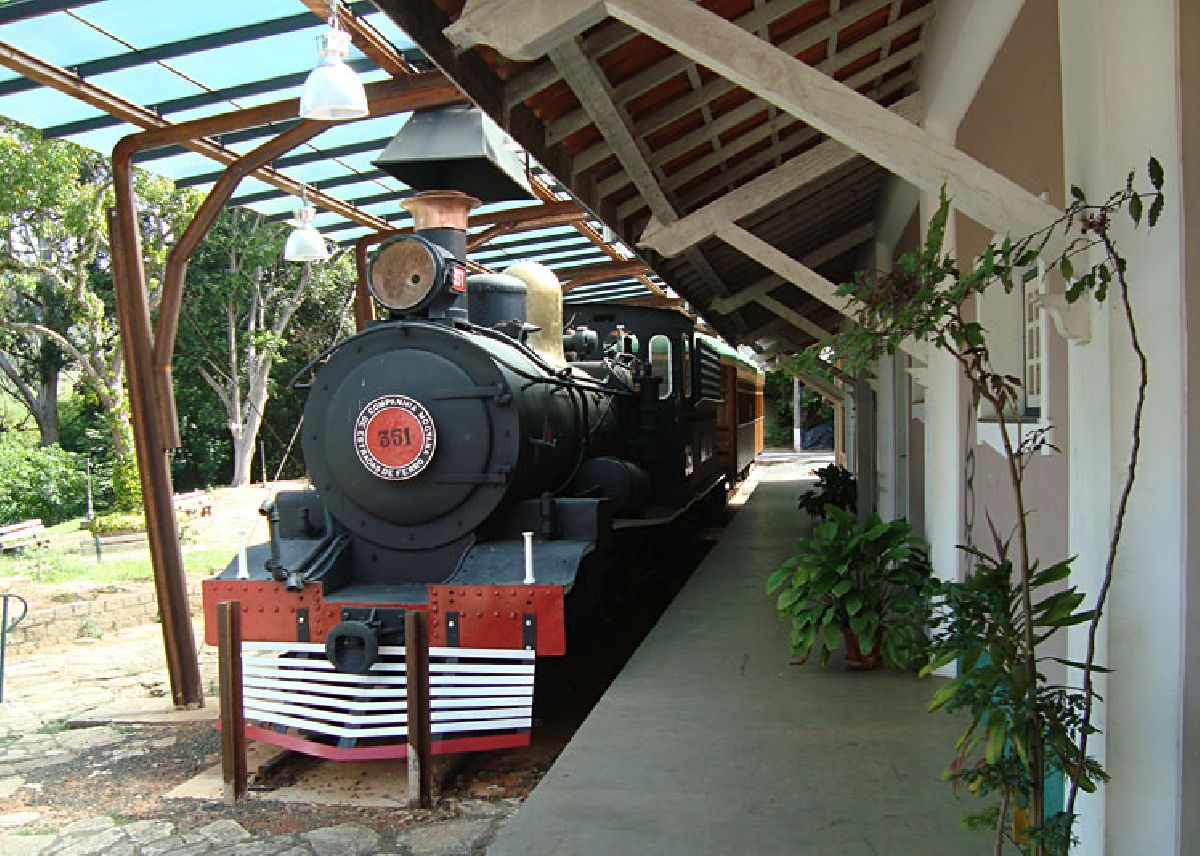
981	625
118	523
994	621
43	482
867	579
835	486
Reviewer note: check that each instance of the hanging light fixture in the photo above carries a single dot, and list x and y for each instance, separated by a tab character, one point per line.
333	91
305	243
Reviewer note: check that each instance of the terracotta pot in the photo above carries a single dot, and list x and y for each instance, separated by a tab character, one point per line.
855	658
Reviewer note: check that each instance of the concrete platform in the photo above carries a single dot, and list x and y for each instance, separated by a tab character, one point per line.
710	742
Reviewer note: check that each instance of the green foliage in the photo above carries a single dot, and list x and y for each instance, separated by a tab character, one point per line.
52	565
836	486
45	482
814	409
118	523
127	484
867	579
981	625
57	308
923	296
240	287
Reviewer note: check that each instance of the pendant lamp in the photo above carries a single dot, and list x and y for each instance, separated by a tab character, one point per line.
305	243
333	91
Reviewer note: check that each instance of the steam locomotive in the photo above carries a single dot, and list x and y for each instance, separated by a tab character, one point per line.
473	458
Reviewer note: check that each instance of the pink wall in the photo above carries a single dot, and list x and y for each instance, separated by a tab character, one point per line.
1014	126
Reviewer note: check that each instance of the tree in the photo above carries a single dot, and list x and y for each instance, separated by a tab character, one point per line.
244	295
56	282
29	363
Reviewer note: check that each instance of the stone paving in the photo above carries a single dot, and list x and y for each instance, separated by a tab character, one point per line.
125	670
103	835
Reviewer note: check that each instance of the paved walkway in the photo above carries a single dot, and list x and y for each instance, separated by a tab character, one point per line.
709	742
126	671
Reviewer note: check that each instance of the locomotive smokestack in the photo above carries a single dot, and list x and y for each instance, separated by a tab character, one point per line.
441	217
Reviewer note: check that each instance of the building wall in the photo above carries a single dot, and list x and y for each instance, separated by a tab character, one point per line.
1121	69
1125	85
1189	38
1021	138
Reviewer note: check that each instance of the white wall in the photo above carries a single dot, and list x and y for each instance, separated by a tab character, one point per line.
1120	104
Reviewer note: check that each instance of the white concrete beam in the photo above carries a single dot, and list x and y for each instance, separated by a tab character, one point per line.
593	91
787	267
794	318
523	29
595	95
782	264
896	144
815	259
670	239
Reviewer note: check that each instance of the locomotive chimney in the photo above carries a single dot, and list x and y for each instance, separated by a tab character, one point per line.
441	217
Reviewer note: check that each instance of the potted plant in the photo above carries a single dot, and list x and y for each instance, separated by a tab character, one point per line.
861	584
835	486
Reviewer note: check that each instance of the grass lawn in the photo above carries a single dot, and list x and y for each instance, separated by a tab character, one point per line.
55	565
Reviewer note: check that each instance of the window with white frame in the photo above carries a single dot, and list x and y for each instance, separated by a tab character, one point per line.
1016	335
1034	344
660	363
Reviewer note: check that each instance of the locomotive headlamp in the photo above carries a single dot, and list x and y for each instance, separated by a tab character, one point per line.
411	274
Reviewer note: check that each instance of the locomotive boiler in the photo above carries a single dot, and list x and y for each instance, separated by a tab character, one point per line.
470	457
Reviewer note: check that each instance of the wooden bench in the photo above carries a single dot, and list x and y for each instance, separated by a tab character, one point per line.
27	533
197	503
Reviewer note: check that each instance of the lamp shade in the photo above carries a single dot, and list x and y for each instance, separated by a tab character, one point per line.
332	90
305	243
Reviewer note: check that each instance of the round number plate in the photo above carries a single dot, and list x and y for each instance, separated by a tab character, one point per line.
394	437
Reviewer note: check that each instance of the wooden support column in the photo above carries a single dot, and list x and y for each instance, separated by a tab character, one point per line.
416	659
150	394
177	263
233	713
133	313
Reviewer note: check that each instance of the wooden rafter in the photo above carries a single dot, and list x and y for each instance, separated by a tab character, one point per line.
573	277
718	87
665	69
591	88
752	137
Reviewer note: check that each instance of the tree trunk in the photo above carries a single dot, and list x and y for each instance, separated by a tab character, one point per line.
243	458
46	410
